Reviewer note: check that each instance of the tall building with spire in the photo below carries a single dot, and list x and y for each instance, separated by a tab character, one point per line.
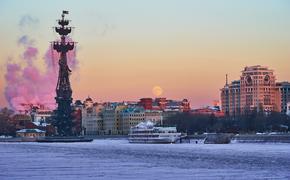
230	98
225	98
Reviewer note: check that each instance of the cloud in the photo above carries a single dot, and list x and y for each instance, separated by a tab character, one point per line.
25	40
27	20
102	26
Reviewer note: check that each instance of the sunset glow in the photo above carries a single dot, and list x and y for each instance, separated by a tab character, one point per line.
127	47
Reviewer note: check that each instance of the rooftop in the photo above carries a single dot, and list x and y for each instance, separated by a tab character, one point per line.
30	131
257	68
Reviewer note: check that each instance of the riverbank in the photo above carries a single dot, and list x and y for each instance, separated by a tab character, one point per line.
261	138
250	138
242	138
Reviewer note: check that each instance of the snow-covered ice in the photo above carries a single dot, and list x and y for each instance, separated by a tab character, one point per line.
117	159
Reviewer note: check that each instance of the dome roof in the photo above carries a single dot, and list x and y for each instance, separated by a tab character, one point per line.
88	99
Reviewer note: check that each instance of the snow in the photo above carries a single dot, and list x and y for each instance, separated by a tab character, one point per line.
117	159
30	130
145	125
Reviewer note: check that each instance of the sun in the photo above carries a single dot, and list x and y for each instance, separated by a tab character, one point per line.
157	91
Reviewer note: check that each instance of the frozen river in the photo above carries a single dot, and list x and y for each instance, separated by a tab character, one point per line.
117	159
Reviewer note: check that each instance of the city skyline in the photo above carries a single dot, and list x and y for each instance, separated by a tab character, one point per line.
184	48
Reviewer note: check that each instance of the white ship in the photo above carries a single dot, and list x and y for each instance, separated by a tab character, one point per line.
146	132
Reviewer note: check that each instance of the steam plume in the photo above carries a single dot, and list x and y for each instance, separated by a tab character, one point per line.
26	84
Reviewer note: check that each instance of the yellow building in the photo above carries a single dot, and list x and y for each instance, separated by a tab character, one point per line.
131	117
112	119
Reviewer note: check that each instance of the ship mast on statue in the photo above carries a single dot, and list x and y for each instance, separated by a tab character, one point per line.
63	118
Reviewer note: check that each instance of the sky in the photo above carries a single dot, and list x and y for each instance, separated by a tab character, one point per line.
126	48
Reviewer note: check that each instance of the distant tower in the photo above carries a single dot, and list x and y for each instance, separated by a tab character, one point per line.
227	83
225	98
63	89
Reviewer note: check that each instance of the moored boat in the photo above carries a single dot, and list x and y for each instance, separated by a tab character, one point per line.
59	139
146	132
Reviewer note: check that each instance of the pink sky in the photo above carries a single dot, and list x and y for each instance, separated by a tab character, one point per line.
125	50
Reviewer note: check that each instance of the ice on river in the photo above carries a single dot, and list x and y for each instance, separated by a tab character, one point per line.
117	159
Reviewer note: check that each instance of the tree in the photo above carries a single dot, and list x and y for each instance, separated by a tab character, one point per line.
6	125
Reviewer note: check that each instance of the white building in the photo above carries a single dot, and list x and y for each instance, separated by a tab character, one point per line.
91	117
41	117
154	116
108	119
288	109
284	92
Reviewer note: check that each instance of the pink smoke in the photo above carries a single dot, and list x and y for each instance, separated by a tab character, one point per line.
27	85
30	54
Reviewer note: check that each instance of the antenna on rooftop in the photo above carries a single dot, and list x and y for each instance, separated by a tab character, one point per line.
226	79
